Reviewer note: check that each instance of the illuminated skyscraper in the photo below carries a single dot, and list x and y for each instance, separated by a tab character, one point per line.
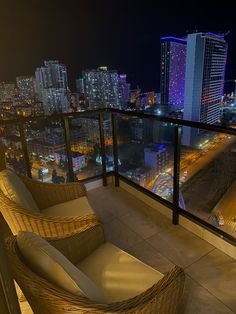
204	82
173	61
52	86
52	75
55	100
104	88
27	88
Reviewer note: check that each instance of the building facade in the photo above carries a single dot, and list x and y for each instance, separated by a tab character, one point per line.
52	86
103	88
172	81
204	82
27	88
55	100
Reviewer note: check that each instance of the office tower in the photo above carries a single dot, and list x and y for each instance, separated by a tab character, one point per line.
52	75
173	60
205	71
27	88
51	81
102	88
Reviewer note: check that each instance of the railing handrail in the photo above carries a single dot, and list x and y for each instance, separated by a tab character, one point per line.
138	114
115	113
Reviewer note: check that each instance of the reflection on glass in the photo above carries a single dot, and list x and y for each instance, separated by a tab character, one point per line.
47	151
11	144
85	147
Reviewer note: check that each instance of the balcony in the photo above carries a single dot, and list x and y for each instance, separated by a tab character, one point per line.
149	235
171	201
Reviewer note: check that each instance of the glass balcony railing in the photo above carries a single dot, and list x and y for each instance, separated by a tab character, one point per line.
188	166
146	154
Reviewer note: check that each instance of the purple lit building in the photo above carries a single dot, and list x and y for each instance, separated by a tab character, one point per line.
173	62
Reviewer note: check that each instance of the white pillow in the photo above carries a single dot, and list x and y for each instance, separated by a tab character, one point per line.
51	264
14	189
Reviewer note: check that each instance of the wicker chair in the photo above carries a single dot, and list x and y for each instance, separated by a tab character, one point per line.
44	297
45	195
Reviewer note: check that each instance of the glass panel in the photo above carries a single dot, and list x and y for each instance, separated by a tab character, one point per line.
11	143
85	146
207	179
46	147
145	150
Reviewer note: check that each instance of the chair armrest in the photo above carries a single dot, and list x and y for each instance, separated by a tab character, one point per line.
77	246
49	194
162	298
20	219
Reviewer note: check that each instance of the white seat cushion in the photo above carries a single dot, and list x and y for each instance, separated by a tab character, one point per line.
14	189
119	275
49	263
77	207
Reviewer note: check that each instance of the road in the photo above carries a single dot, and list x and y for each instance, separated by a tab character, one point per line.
206	156
227	207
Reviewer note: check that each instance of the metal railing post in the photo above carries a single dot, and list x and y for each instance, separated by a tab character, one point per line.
115	149
25	149
68	150
177	144
103	149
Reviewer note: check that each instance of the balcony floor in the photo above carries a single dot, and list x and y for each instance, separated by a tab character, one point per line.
140	230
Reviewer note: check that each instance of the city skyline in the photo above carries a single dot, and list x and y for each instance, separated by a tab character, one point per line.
124	36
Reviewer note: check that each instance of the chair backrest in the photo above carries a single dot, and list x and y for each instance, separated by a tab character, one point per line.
14	189
42	295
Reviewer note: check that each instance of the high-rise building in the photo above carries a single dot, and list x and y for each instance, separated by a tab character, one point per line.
103	88
52	75
27	88
173	60
52	86
55	100
205	71
204	81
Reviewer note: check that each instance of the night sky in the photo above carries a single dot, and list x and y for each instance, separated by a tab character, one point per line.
124	35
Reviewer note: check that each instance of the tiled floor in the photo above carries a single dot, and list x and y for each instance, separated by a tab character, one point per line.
148	235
